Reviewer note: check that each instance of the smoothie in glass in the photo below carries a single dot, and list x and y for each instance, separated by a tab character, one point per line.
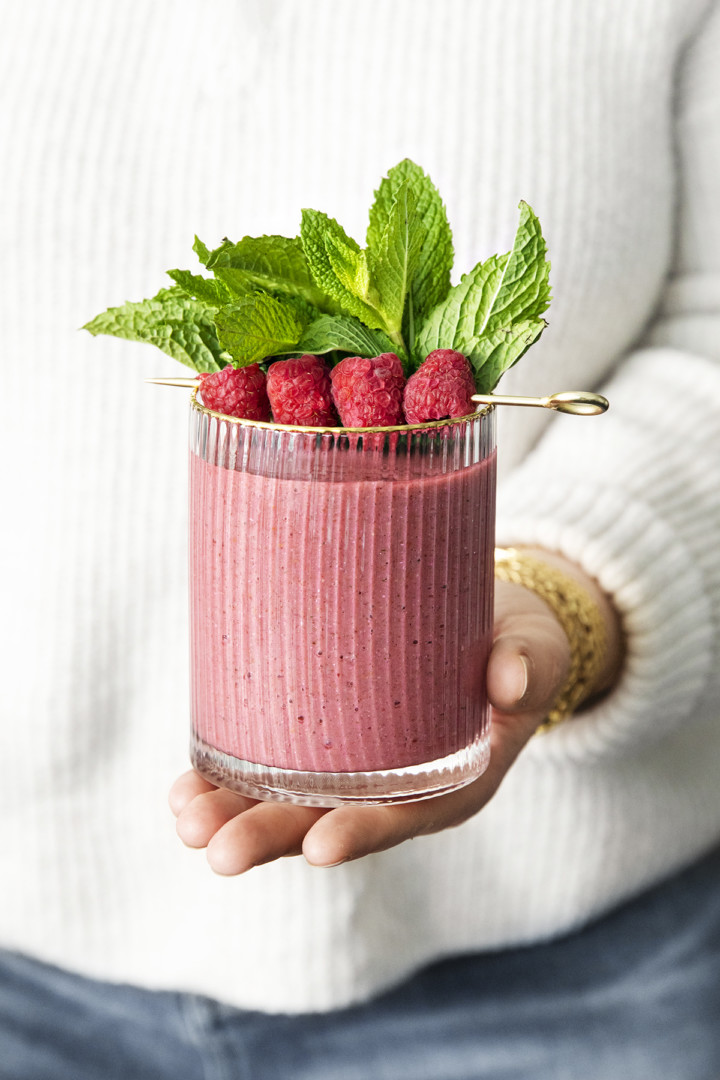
341	608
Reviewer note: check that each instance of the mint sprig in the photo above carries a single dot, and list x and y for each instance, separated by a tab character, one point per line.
320	292
494	314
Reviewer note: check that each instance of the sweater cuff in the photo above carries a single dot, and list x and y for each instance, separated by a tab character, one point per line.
600	498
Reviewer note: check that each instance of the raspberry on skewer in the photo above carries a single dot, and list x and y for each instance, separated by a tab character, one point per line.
368	392
440	389
300	392
237	392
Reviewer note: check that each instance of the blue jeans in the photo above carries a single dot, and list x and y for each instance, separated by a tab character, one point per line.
635	996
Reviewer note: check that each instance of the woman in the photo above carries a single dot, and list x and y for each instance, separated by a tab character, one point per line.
572	915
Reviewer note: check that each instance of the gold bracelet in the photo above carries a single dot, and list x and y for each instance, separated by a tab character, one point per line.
577	613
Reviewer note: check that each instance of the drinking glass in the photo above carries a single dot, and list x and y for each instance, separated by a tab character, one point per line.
341	600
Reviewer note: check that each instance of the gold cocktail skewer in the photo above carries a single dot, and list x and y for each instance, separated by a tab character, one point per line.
578	402
176	381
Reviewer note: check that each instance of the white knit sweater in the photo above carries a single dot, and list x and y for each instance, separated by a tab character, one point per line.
126	128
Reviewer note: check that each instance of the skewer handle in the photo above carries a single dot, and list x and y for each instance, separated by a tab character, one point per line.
577	402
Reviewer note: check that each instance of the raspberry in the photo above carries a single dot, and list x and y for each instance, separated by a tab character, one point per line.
368	393
300	392
237	392
440	389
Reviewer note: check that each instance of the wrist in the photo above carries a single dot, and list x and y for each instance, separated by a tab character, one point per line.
612	623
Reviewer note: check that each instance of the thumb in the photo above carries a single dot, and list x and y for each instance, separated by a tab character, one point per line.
528	664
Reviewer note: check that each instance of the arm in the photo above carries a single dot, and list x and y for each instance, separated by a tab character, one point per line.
635	498
633	511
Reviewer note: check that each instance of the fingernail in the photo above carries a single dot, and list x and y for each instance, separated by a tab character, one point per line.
526	676
329	865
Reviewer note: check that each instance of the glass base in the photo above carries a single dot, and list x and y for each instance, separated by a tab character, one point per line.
408	784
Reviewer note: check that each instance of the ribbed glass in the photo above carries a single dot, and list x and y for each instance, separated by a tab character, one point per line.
341	590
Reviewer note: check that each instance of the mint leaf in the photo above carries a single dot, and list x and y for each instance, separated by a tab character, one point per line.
238	284
339	268
501	349
211	292
342	332
525	290
202	252
494	314
259	326
304	311
276	264
458	320
394	257
182	327
431	281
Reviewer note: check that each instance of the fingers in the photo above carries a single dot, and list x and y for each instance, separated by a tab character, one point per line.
207	813
185	788
265	832
238	832
350	832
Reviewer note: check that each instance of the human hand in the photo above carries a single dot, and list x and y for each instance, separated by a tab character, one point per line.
527	668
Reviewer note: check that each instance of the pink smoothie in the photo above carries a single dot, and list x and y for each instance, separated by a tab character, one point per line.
340	625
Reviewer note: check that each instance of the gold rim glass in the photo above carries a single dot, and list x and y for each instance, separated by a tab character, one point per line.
341	606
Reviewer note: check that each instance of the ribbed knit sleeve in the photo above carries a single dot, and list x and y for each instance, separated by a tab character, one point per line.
635	496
